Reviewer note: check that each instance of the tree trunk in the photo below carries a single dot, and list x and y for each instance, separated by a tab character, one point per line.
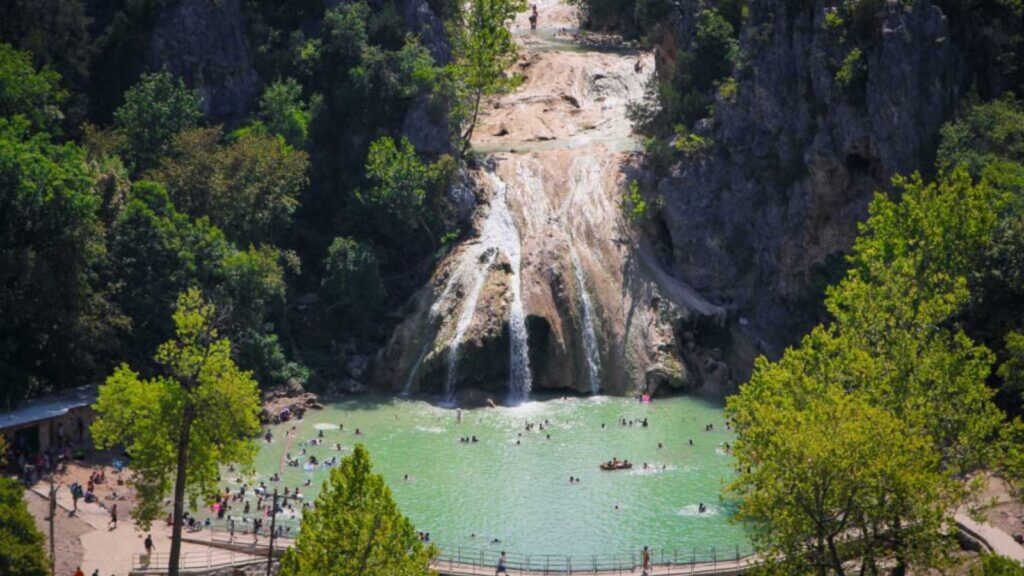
901	553
837	562
179	489
472	123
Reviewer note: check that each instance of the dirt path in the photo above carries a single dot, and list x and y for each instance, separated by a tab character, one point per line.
68	530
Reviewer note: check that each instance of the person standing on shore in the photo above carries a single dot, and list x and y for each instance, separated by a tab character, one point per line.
646	562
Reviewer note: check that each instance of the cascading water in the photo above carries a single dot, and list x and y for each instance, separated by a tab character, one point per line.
480	274
589	335
432	322
498	235
500	231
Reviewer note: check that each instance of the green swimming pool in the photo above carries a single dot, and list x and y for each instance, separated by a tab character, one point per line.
513	484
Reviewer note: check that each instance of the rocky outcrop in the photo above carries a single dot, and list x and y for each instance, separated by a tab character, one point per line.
759	224
553	277
205	43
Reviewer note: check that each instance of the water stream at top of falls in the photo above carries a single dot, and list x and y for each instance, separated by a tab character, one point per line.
589	334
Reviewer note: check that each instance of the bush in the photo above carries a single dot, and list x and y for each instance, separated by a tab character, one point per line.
992	565
853	70
21	544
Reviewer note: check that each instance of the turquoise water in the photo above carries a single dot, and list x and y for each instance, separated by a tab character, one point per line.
520	493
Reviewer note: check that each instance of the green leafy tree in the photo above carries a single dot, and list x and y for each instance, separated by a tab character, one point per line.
353	292
284	113
251	285
985	135
158	252
483	51
55	317
249	188
356	529
894	355
1012	368
181	427
993	565
399	180
54	32
21	544
25	91
688	95
826	463
156	108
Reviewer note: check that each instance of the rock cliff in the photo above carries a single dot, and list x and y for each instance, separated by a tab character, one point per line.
759	224
205	43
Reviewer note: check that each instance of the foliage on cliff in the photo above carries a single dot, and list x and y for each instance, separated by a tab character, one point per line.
908	346
317	209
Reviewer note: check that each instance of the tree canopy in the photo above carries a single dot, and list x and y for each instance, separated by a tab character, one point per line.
21	544
154	110
180	427
356	529
889	389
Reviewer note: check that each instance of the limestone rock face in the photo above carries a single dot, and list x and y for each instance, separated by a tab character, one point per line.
553	279
204	42
759	224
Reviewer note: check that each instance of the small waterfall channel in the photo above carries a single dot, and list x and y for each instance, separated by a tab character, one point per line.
589	334
498	235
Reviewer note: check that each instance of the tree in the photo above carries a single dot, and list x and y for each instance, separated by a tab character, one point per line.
1012	368
248	188
833	480
356	529
181	427
55	318
351	283
156	253
399	180
283	112
24	91
993	565
22	550
984	135
156	108
908	384
483	50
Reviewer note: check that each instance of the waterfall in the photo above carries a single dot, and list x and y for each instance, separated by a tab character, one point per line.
468	307
407	389
432	324
498	234
589	336
501	232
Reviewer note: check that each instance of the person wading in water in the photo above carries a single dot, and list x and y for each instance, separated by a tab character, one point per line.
533	17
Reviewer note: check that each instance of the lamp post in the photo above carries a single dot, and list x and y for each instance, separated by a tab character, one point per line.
273	517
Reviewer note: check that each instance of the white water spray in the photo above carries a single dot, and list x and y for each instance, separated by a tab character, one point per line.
498	235
589	335
479	275
501	232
